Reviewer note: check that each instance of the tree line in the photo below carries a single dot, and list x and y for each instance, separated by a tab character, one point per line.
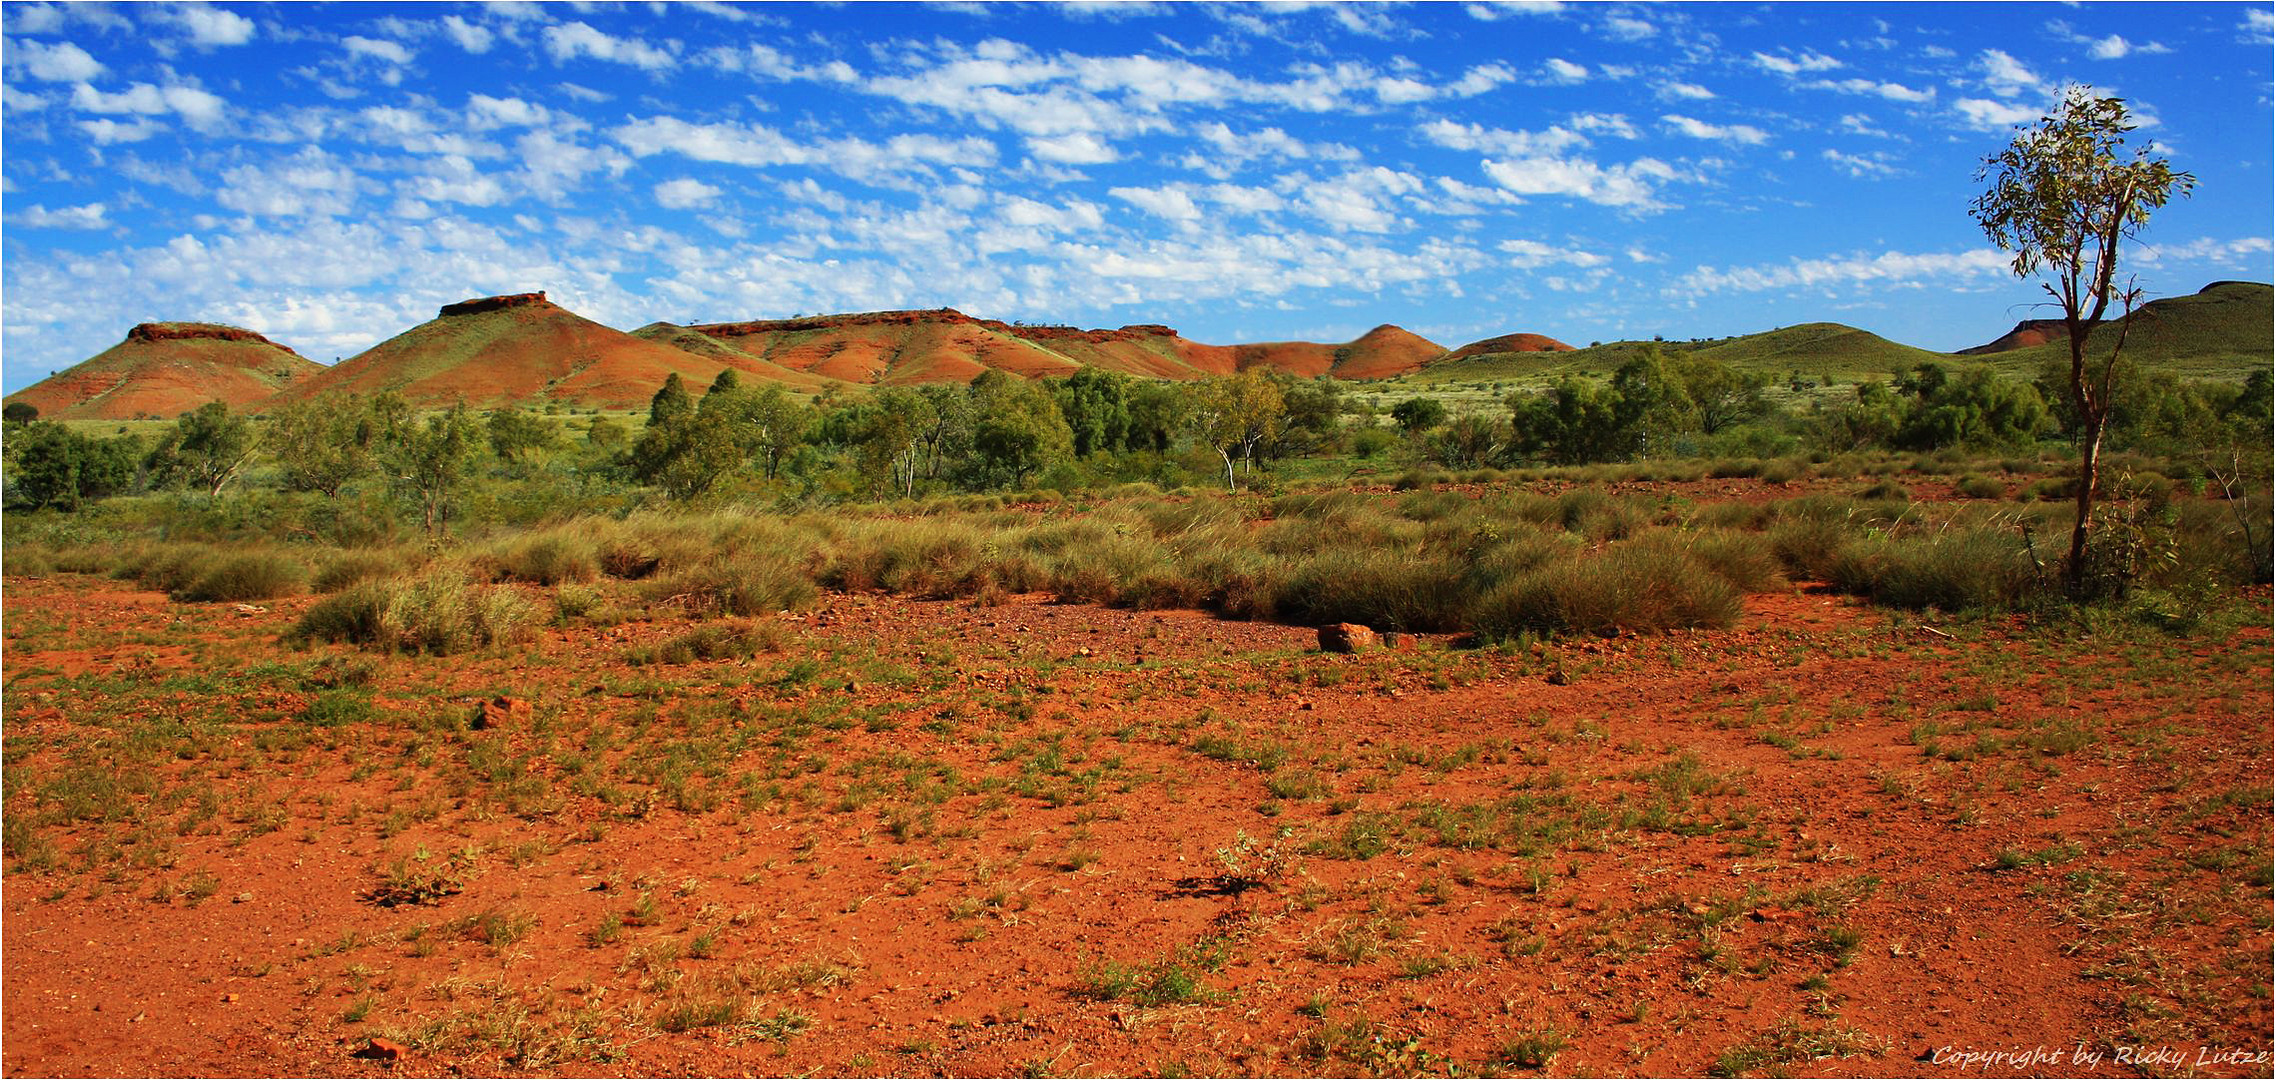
1006	432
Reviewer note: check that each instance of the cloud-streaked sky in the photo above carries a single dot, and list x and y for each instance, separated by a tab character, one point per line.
330	175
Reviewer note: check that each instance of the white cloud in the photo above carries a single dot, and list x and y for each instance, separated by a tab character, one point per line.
468	36
1480	79
1795	65
1984	114
1741	134
1632	186
1683	91
685	193
1355	201
1270	143
311	183
106	131
90	216
2004	75
1887	268
1628	27
552	164
1861	124
2118	48
1073	148
381	49
485	112
2259	26
1502	9
206	26
1889	90
1171	203
2252	251
1532	254
1025	213
568	41
1456	136
60	62
1561	70
759	146
1398	90
198	108
1612	124
1860	166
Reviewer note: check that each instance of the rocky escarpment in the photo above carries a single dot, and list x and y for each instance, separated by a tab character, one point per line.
493	303
193	331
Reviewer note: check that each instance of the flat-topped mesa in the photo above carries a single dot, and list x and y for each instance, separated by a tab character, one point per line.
943	316
492	303
197	331
1069	333
827	322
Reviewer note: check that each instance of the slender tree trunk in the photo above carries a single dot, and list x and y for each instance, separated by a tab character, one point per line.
2093	411
1230	486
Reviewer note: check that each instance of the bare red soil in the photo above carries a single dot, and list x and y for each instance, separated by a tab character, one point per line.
929	838
163	370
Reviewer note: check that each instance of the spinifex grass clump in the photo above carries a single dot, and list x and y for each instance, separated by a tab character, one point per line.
438	612
1645	586
246	575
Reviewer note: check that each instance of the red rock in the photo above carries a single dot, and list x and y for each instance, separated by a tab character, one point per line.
502	711
1347	638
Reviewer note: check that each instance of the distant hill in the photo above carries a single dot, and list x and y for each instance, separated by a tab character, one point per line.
513	350
946	345
165	369
1814	349
2225	330
1507	343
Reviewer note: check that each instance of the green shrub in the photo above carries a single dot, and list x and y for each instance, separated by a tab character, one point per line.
1955	569
249	575
1887	490
1739	558
438	612
1643	587
733	639
552	557
1981	487
1386	588
749	585
350	567
28	560
1781	472
331	708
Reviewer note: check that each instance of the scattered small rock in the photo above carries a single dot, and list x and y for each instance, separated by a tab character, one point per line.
1347	638
499	712
380	1049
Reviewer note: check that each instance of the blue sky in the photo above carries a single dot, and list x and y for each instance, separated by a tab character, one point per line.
329	175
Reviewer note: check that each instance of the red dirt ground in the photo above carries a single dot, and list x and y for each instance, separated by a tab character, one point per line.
910	841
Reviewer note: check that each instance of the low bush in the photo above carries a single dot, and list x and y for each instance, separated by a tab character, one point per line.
733	639
248	575
553	557
1981	487
748	585
437	612
1953	569
350	567
1644	587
